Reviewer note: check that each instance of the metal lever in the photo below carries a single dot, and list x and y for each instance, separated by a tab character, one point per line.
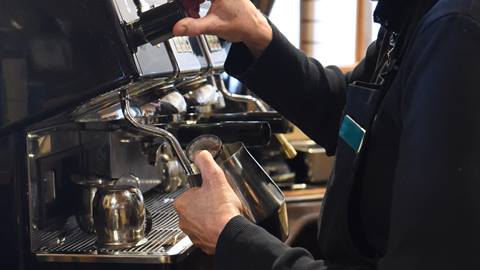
155	131
288	149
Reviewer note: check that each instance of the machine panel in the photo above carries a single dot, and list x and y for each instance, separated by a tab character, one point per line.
56	53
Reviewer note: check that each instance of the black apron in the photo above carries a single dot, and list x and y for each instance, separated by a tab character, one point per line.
363	101
362	104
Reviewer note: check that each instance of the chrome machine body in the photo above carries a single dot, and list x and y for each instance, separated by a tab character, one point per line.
80	102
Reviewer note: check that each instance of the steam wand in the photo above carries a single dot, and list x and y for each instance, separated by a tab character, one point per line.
155	131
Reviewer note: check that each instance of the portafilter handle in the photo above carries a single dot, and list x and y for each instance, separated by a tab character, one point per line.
155	131
288	149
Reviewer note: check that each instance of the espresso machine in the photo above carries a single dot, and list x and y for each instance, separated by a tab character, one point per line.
82	86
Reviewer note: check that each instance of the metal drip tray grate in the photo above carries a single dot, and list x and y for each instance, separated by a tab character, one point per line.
166	242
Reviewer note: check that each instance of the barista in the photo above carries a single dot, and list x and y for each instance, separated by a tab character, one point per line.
405	128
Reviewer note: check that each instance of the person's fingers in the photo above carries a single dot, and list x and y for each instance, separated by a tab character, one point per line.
182	201
194	27
180	28
182	225
212	174
208	250
179	203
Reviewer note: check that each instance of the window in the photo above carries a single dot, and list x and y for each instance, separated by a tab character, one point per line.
375	26
286	17
335	32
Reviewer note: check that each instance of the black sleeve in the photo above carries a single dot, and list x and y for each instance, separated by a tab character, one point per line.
312	97
299	87
436	205
243	245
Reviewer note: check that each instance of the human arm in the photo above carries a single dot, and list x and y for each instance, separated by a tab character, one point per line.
210	216
299	87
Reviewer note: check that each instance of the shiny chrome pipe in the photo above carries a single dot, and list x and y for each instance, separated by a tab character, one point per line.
155	131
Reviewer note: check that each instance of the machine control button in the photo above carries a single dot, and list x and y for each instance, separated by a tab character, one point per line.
182	45
214	43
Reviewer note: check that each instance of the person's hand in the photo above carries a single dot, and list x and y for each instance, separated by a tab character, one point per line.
233	20
203	212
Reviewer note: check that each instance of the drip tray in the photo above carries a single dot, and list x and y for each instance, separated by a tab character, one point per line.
166	242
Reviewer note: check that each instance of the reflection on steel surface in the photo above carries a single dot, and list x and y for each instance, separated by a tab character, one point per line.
165	242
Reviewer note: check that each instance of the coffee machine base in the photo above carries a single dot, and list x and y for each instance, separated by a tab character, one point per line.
197	260
167	244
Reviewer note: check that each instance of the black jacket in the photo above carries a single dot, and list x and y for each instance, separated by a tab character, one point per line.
409	198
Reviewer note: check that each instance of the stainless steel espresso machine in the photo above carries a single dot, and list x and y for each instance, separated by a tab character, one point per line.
70	73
